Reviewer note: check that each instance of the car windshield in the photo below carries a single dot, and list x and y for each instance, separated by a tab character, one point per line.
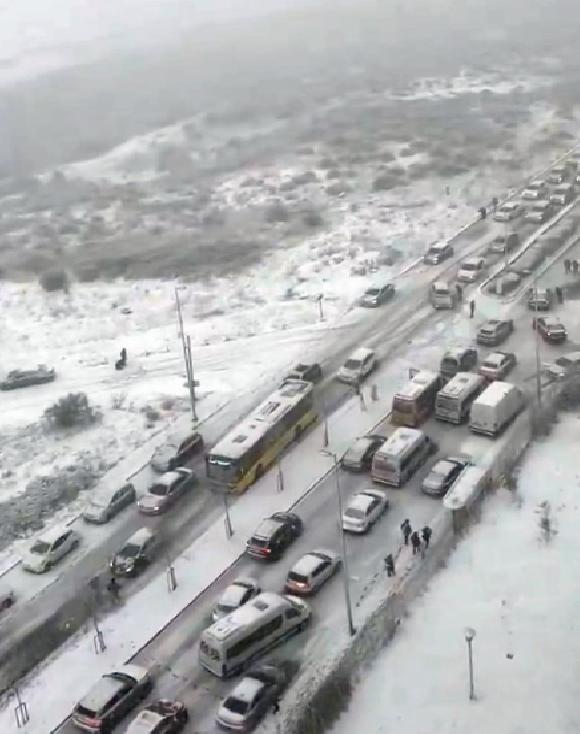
159	490
226	608
129	551
355	453
355	512
352	364
166	450
442	469
563	362
469	266
441	291
298	577
41	547
236	705
373	292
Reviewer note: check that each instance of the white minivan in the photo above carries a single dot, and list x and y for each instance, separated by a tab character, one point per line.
358	366
471	269
495	408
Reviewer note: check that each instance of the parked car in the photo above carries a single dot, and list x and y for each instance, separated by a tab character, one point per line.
442	295
165	491
235	595
307	372
497	365
358	366
558	175
311	571
107	501
253	696
50	548
540	299
363	510
457	359
568	365
274	535
471	269
7	599
563	194
535	190
539	212
359	456
160	717
508	211
176	451
437	253
377	295
442	475
135	554
25	378
494	331
111	699
551	329
503	244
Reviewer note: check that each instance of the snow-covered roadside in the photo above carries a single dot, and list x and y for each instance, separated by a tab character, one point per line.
519	592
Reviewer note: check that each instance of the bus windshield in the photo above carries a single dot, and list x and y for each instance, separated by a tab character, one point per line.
221	469
401	405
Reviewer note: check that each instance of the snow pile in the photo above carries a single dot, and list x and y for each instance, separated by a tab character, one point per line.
514	581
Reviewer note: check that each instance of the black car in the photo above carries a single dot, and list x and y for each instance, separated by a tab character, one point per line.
111	699
274	535
442	475
494	331
26	378
161	717
307	372
551	329
359	456
254	695
176	451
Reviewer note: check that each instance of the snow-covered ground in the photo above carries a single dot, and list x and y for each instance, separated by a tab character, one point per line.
518	588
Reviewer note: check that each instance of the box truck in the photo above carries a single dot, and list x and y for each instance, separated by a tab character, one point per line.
495	408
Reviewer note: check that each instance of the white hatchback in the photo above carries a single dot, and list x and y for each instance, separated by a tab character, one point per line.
363	510
311	571
358	366
49	549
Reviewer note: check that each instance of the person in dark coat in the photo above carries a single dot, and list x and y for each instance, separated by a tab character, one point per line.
390	565
406	529
415	542
426	533
114	589
459	290
482	212
471	308
494	203
575	267
559	294
567	265
124	356
276	706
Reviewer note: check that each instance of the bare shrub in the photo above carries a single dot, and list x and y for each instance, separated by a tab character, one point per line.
55	280
72	411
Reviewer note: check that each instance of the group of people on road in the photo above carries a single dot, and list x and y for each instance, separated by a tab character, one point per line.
571	266
419	543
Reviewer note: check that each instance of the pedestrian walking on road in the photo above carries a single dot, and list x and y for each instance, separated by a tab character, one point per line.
459	291
559	294
276	706
390	565
426	533
471	308
406	529
575	267
482	212
494	203
415	542
114	589
567	265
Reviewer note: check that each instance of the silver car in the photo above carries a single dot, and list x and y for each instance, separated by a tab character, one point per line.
441	477
47	550
311	571
165	491
236	595
254	695
107	502
363	510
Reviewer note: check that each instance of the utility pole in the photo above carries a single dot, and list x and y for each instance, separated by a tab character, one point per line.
469	635
191	380
538	355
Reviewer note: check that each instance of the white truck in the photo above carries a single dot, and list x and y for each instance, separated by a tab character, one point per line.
442	295
495	408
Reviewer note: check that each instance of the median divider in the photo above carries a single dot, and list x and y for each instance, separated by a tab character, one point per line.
321	690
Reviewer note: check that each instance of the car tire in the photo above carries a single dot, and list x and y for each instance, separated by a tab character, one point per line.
7	603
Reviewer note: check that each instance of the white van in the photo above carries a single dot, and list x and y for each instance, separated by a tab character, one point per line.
400	456
471	269
358	366
442	295
497	405
230	643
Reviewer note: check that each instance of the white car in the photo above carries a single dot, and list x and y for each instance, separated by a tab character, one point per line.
535	190
471	269
364	509
236	595
508	211
311	571
566	366
49	549
358	366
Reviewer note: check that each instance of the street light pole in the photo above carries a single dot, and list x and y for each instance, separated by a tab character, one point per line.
538	356
469	635
345	572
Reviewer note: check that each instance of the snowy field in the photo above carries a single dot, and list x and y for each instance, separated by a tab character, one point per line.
518	588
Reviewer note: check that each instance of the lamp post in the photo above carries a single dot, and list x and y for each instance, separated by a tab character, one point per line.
538	355
469	635
345	572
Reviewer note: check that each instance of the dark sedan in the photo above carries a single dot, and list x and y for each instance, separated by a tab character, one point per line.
442	475
551	329
494	331
274	535
377	296
176	451
359	456
307	372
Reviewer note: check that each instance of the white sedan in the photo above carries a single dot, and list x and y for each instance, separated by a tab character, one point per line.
311	571
363	510
236	595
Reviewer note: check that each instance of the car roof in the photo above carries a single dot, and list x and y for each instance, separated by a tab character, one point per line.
54	533
247	689
101	692
308	563
551	320
168	478
145	722
439	245
233	594
446	464
139	536
268	527
361	500
361	353
495	358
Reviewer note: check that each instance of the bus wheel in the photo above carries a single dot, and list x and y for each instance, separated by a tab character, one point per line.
258	473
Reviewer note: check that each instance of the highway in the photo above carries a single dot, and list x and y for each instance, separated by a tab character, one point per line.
389	330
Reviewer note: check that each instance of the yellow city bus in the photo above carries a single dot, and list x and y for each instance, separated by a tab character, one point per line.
416	401
245	453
